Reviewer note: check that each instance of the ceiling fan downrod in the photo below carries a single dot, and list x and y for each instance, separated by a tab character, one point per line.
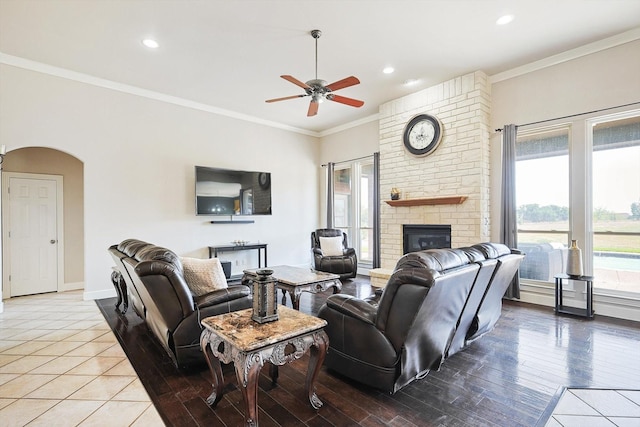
316	35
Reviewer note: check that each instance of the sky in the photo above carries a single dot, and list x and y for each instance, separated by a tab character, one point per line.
616	180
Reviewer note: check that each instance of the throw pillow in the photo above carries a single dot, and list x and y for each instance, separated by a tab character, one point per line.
203	275
331	246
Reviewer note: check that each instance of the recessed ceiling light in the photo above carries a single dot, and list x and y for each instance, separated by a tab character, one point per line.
388	70
150	43
504	19
410	82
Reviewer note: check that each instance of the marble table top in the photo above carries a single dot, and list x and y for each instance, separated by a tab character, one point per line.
296	275
248	335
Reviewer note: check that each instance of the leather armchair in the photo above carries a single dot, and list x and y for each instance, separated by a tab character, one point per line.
345	265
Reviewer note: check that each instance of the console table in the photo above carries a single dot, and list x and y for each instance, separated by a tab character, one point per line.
260	247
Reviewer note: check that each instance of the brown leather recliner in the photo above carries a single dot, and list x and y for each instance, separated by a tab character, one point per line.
432	306
168	307
345	265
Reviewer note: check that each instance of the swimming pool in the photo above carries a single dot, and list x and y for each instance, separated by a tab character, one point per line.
614	261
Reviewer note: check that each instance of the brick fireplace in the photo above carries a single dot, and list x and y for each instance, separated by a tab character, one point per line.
460	166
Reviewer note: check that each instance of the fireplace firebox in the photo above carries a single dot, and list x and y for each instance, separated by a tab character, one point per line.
418	237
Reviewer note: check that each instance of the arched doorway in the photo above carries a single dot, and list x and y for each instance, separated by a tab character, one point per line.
33	162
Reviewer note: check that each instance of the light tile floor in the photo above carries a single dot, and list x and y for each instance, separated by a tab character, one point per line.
597	408
61	365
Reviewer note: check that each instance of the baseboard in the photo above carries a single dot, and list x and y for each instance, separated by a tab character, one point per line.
73	286
603	304
101	294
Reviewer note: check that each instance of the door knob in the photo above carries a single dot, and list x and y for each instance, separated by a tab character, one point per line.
52	241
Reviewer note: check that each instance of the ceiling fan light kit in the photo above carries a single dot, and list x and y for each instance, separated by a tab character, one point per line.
319	90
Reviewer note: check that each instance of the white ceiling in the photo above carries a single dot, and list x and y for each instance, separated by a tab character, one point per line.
228	55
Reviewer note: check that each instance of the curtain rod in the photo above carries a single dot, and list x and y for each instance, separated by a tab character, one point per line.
350	160
574	115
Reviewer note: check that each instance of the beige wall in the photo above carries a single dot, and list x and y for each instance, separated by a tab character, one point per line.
139	156
53	162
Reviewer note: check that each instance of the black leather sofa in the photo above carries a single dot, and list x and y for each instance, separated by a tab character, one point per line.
436	303
159	294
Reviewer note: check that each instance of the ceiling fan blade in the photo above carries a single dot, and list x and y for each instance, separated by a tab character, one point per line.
285	98
295	81
313	109
344	100
340	84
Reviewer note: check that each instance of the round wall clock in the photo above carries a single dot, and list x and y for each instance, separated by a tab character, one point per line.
422	134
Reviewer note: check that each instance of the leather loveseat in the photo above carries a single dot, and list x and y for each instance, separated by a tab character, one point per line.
436	303
160	295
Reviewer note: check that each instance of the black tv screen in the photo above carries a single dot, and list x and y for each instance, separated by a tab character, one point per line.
232	192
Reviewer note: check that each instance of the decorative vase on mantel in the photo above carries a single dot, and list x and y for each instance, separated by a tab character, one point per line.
574	260
395	194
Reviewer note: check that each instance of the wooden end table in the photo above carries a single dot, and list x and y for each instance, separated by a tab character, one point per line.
234	337
295	280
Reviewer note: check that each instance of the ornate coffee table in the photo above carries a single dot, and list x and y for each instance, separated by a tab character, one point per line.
296	280
234	337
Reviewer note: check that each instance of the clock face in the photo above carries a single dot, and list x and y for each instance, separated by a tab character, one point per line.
422	135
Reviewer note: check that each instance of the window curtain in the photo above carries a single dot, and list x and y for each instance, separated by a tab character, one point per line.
330	176
509	224
376	207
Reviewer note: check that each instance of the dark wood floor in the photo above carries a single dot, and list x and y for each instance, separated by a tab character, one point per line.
508	378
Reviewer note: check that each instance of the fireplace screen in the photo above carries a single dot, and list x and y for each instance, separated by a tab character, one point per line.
418	237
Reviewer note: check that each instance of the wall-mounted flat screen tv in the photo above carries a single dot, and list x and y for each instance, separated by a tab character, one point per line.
232	192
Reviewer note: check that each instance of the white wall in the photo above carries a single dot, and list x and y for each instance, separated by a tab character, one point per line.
139	156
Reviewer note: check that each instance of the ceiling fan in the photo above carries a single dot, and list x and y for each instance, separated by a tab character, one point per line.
319	90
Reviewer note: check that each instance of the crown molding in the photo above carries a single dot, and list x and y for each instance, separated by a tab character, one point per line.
350	125
64	73
568	55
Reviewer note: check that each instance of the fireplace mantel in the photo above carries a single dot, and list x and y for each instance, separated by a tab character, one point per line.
445	200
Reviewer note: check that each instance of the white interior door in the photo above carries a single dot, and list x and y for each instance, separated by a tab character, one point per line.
32	236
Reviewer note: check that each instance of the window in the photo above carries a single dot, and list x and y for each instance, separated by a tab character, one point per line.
542	201
615	219
581	181
353	206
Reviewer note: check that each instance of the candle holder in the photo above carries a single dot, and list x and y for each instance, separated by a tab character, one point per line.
265	304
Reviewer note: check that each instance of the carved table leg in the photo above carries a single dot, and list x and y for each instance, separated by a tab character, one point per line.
121	289
249	386
216	371
316	357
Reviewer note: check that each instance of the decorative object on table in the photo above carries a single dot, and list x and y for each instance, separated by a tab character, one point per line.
395	194
574	260
422	134
263	289
240	242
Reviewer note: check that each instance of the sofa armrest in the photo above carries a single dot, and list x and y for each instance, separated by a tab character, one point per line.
353	307
222	296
